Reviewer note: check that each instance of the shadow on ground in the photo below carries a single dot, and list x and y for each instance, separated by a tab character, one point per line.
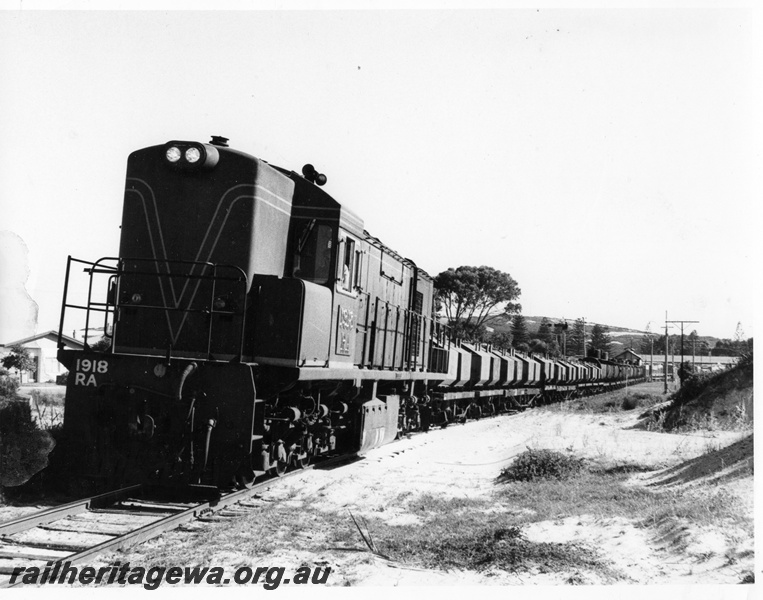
726	464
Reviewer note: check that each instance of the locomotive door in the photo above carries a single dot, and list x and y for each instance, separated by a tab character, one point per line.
361	332
346	298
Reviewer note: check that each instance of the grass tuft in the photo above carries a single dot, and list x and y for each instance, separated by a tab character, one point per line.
542	464
47	409
493	543
611	402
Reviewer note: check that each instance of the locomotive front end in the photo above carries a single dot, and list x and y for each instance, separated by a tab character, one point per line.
199	221
140	419
173	397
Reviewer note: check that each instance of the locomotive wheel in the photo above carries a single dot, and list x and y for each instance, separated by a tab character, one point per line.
308	449
245	477
305	461
281	466
279	459
280	462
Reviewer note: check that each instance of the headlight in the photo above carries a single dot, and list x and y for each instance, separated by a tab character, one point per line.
136	298
190	155
173	154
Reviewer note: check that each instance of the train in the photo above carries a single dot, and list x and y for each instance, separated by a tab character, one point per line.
254	325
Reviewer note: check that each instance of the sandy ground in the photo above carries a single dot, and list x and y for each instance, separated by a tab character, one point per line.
465	460
449	463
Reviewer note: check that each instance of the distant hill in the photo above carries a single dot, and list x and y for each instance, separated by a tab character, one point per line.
622	337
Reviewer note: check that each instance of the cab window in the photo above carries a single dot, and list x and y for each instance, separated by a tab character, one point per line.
311	259
346	272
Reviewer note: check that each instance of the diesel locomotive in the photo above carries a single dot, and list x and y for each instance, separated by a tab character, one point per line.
254	325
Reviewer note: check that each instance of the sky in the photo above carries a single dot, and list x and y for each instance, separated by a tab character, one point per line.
608	159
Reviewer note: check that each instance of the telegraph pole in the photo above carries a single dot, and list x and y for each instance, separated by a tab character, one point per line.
585	352
650	335
667	347
681	379
694	351
561	328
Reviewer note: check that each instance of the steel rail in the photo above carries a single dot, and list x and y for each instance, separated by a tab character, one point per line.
148	531
55	513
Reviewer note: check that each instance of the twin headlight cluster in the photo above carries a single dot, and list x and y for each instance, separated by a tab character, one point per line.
191	154
174	154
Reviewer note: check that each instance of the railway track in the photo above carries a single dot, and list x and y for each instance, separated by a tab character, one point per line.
78	531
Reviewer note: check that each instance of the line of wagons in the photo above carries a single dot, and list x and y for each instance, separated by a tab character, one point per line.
479	380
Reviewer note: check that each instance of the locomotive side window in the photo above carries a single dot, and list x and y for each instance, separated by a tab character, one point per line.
358	267
391	268
346	273
312	254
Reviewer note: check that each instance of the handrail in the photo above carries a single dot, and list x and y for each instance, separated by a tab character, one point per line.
164	270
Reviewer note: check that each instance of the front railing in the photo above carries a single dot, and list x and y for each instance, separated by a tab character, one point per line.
113	296
90	304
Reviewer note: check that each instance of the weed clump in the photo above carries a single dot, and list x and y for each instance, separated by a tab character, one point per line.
542	464
493	545
8	385
48	410
24	449
630	402
636	399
